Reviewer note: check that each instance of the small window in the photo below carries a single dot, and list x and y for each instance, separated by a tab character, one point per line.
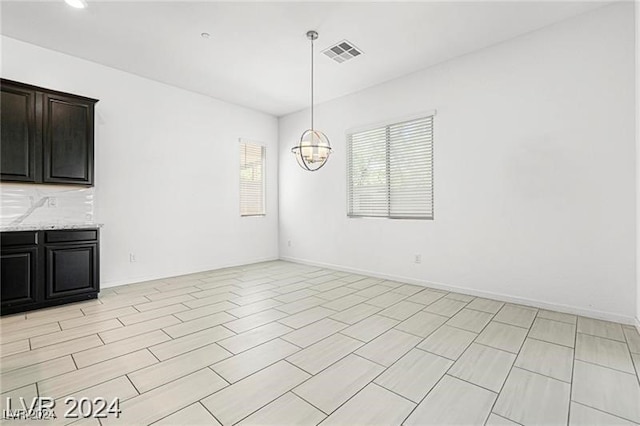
252	179
390	170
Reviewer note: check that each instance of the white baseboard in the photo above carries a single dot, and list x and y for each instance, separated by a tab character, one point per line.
609	316
176	273
575	310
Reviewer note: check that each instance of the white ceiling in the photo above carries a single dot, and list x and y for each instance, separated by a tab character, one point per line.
258	55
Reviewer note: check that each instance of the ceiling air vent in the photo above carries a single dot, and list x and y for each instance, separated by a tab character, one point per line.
342	51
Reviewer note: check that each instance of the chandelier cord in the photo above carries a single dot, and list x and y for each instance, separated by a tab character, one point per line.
312	86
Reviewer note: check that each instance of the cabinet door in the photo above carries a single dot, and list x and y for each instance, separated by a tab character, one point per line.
17	134
71	270
67	140
18	270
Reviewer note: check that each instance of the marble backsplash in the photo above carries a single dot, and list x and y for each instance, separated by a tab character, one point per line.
28	204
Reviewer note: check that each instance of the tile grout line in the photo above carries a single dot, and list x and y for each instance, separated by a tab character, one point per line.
205	407
445	373
573	366
539	374
299	384
104	381
47	378
132	384
503	417
604	366
604	412
262	406
209	366
601	337
495	401
509	373
633	364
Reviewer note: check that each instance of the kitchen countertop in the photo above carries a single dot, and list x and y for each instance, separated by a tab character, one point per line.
47	226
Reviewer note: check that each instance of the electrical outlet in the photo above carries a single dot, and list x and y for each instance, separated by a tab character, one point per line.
52	202
417	258
132	257
289	243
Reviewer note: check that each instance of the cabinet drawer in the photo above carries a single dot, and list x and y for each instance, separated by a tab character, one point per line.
21	238
65	236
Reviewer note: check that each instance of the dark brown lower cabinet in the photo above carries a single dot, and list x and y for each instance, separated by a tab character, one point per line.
19	270
71	270
46	268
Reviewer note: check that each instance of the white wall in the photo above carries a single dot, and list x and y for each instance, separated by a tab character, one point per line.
534	173
166	168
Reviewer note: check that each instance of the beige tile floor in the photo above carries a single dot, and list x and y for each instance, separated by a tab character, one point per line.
280	343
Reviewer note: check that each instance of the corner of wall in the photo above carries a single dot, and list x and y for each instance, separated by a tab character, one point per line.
277	154
637	26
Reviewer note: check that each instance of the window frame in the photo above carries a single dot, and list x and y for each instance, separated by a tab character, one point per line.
263	147
376	126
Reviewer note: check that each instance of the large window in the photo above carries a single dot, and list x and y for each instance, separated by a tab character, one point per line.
390	170
252	179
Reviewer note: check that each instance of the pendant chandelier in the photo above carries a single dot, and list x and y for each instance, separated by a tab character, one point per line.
313	149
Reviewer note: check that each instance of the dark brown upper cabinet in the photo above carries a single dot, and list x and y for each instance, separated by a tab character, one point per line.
18	133
47	136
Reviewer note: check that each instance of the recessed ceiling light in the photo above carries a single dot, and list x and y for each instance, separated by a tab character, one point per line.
205	35
78	4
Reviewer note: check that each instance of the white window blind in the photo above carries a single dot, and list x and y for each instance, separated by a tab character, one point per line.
390	170
252	179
